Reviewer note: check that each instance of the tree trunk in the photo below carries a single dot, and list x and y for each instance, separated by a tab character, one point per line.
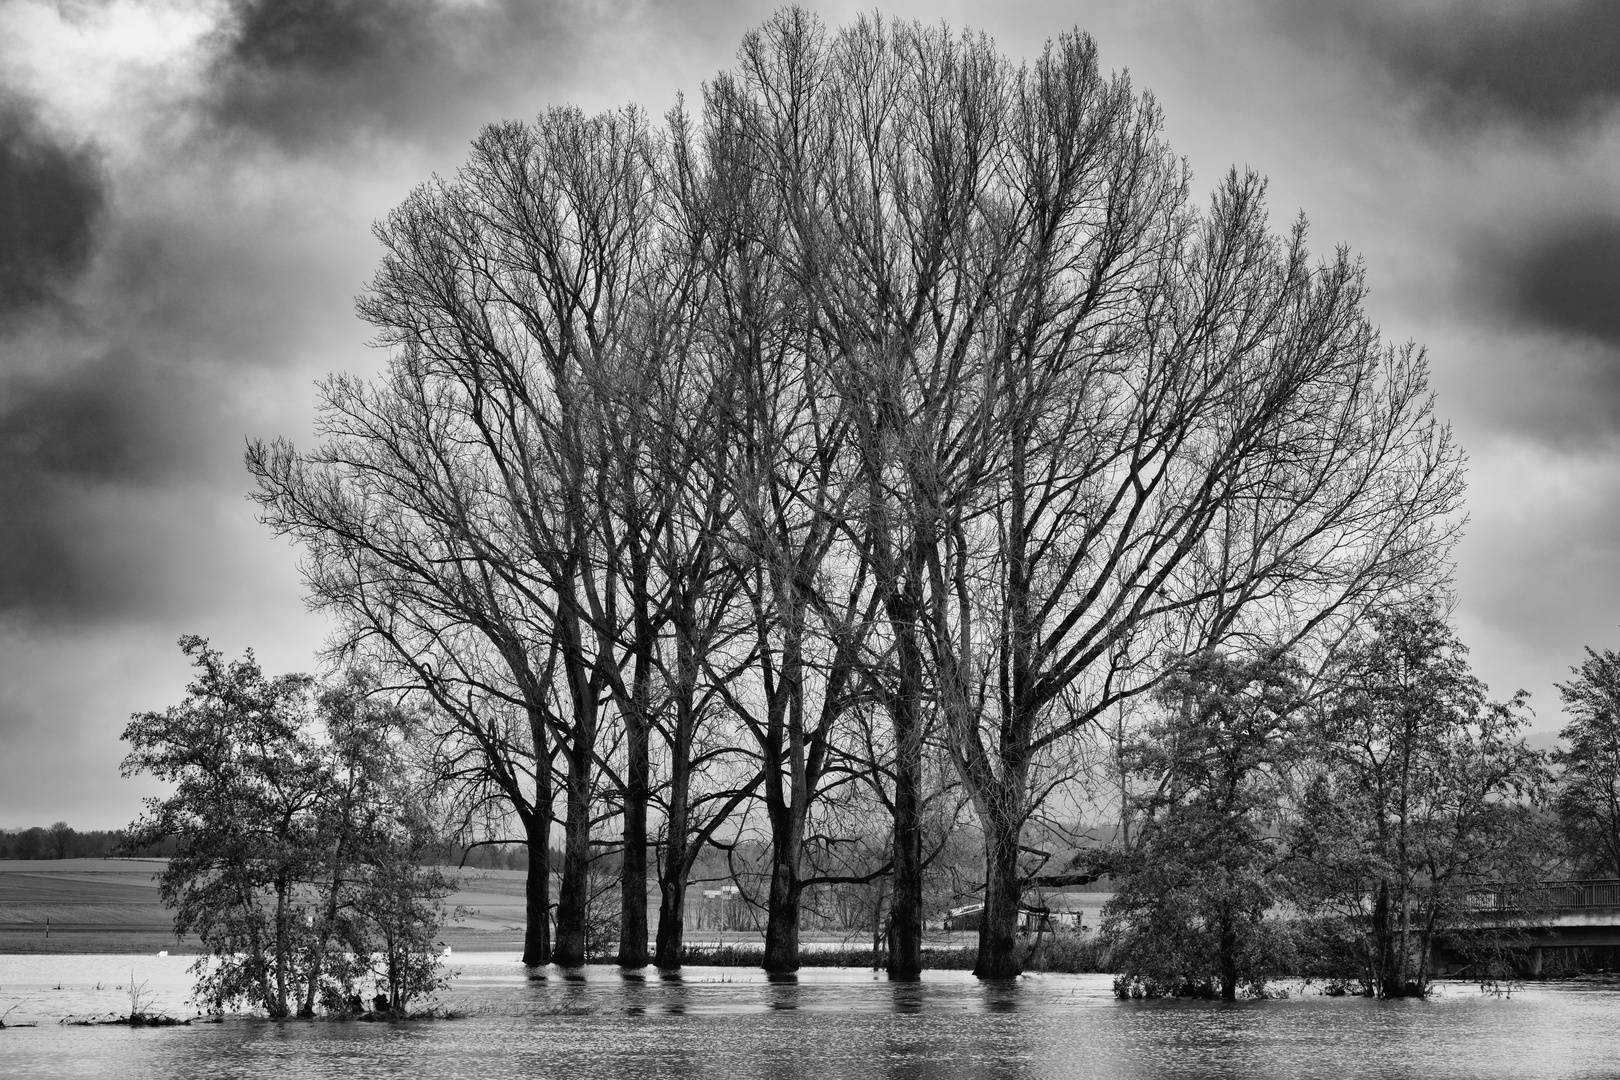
677	857
905	907
782	922
277	1008
537	885
1229	967
328	919
998	924
677	851
633	864
1386	968
574	896
671	919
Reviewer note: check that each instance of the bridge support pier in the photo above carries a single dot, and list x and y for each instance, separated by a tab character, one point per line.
1535	962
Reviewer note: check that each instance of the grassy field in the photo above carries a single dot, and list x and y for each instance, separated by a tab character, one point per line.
112	906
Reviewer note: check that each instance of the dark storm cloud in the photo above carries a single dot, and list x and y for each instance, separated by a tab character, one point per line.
1544	295
1541	64
309	71
1567	279
84	454
52	193
118	419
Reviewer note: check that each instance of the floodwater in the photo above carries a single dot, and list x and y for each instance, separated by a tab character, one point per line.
824	1025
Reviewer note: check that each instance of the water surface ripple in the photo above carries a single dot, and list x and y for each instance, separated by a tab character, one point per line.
825	1024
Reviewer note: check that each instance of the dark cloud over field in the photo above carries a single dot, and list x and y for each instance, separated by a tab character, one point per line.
51	199
315	71
1548	291
1545	65
1566	278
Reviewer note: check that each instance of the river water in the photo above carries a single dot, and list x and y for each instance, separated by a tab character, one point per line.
824	1025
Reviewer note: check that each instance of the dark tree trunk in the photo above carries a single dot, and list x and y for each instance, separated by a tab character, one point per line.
537	886
633	873
1229	966
786	800
677	852
905	907
1386	968
671	920
677	857
906	713
998	925
782	922
574	895
637	791
537	821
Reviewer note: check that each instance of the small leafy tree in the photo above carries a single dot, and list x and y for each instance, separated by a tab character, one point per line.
1189	917
1423	805
1588	795
295	836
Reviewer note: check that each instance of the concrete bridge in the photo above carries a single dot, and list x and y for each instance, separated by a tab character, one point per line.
1565	915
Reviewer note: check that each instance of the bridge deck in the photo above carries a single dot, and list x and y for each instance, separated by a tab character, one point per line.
1564	914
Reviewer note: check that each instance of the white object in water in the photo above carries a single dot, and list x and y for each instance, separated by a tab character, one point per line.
163	952
447	950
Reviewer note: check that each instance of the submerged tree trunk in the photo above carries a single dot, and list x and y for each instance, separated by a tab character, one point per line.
671	914
574	895
633	865
998	924
678	855
537	886
277	1006
536	819
677	852
903	603
782	920
905	907
1229	964
1386	968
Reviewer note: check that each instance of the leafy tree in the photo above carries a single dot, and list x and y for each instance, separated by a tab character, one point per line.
1424	800
294	836
1588	791
1189	917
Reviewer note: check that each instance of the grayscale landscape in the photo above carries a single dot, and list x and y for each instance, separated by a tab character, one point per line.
551	538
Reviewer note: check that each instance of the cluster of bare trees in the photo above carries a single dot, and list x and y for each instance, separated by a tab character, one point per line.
874	430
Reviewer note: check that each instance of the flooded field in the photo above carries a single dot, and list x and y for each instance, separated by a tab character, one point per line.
825	1024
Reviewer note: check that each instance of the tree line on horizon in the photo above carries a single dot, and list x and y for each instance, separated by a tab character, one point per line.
61	841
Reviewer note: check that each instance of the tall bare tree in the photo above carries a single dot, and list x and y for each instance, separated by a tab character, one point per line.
1127	428
900	378
505	296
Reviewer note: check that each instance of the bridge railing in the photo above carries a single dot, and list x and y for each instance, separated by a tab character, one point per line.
1557	895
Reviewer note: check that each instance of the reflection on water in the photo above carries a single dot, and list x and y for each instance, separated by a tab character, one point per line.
820	1025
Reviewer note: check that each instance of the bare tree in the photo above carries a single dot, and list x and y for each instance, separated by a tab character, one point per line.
1126	429
901	378
504	296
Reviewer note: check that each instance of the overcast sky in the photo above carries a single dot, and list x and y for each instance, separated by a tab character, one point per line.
187	188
